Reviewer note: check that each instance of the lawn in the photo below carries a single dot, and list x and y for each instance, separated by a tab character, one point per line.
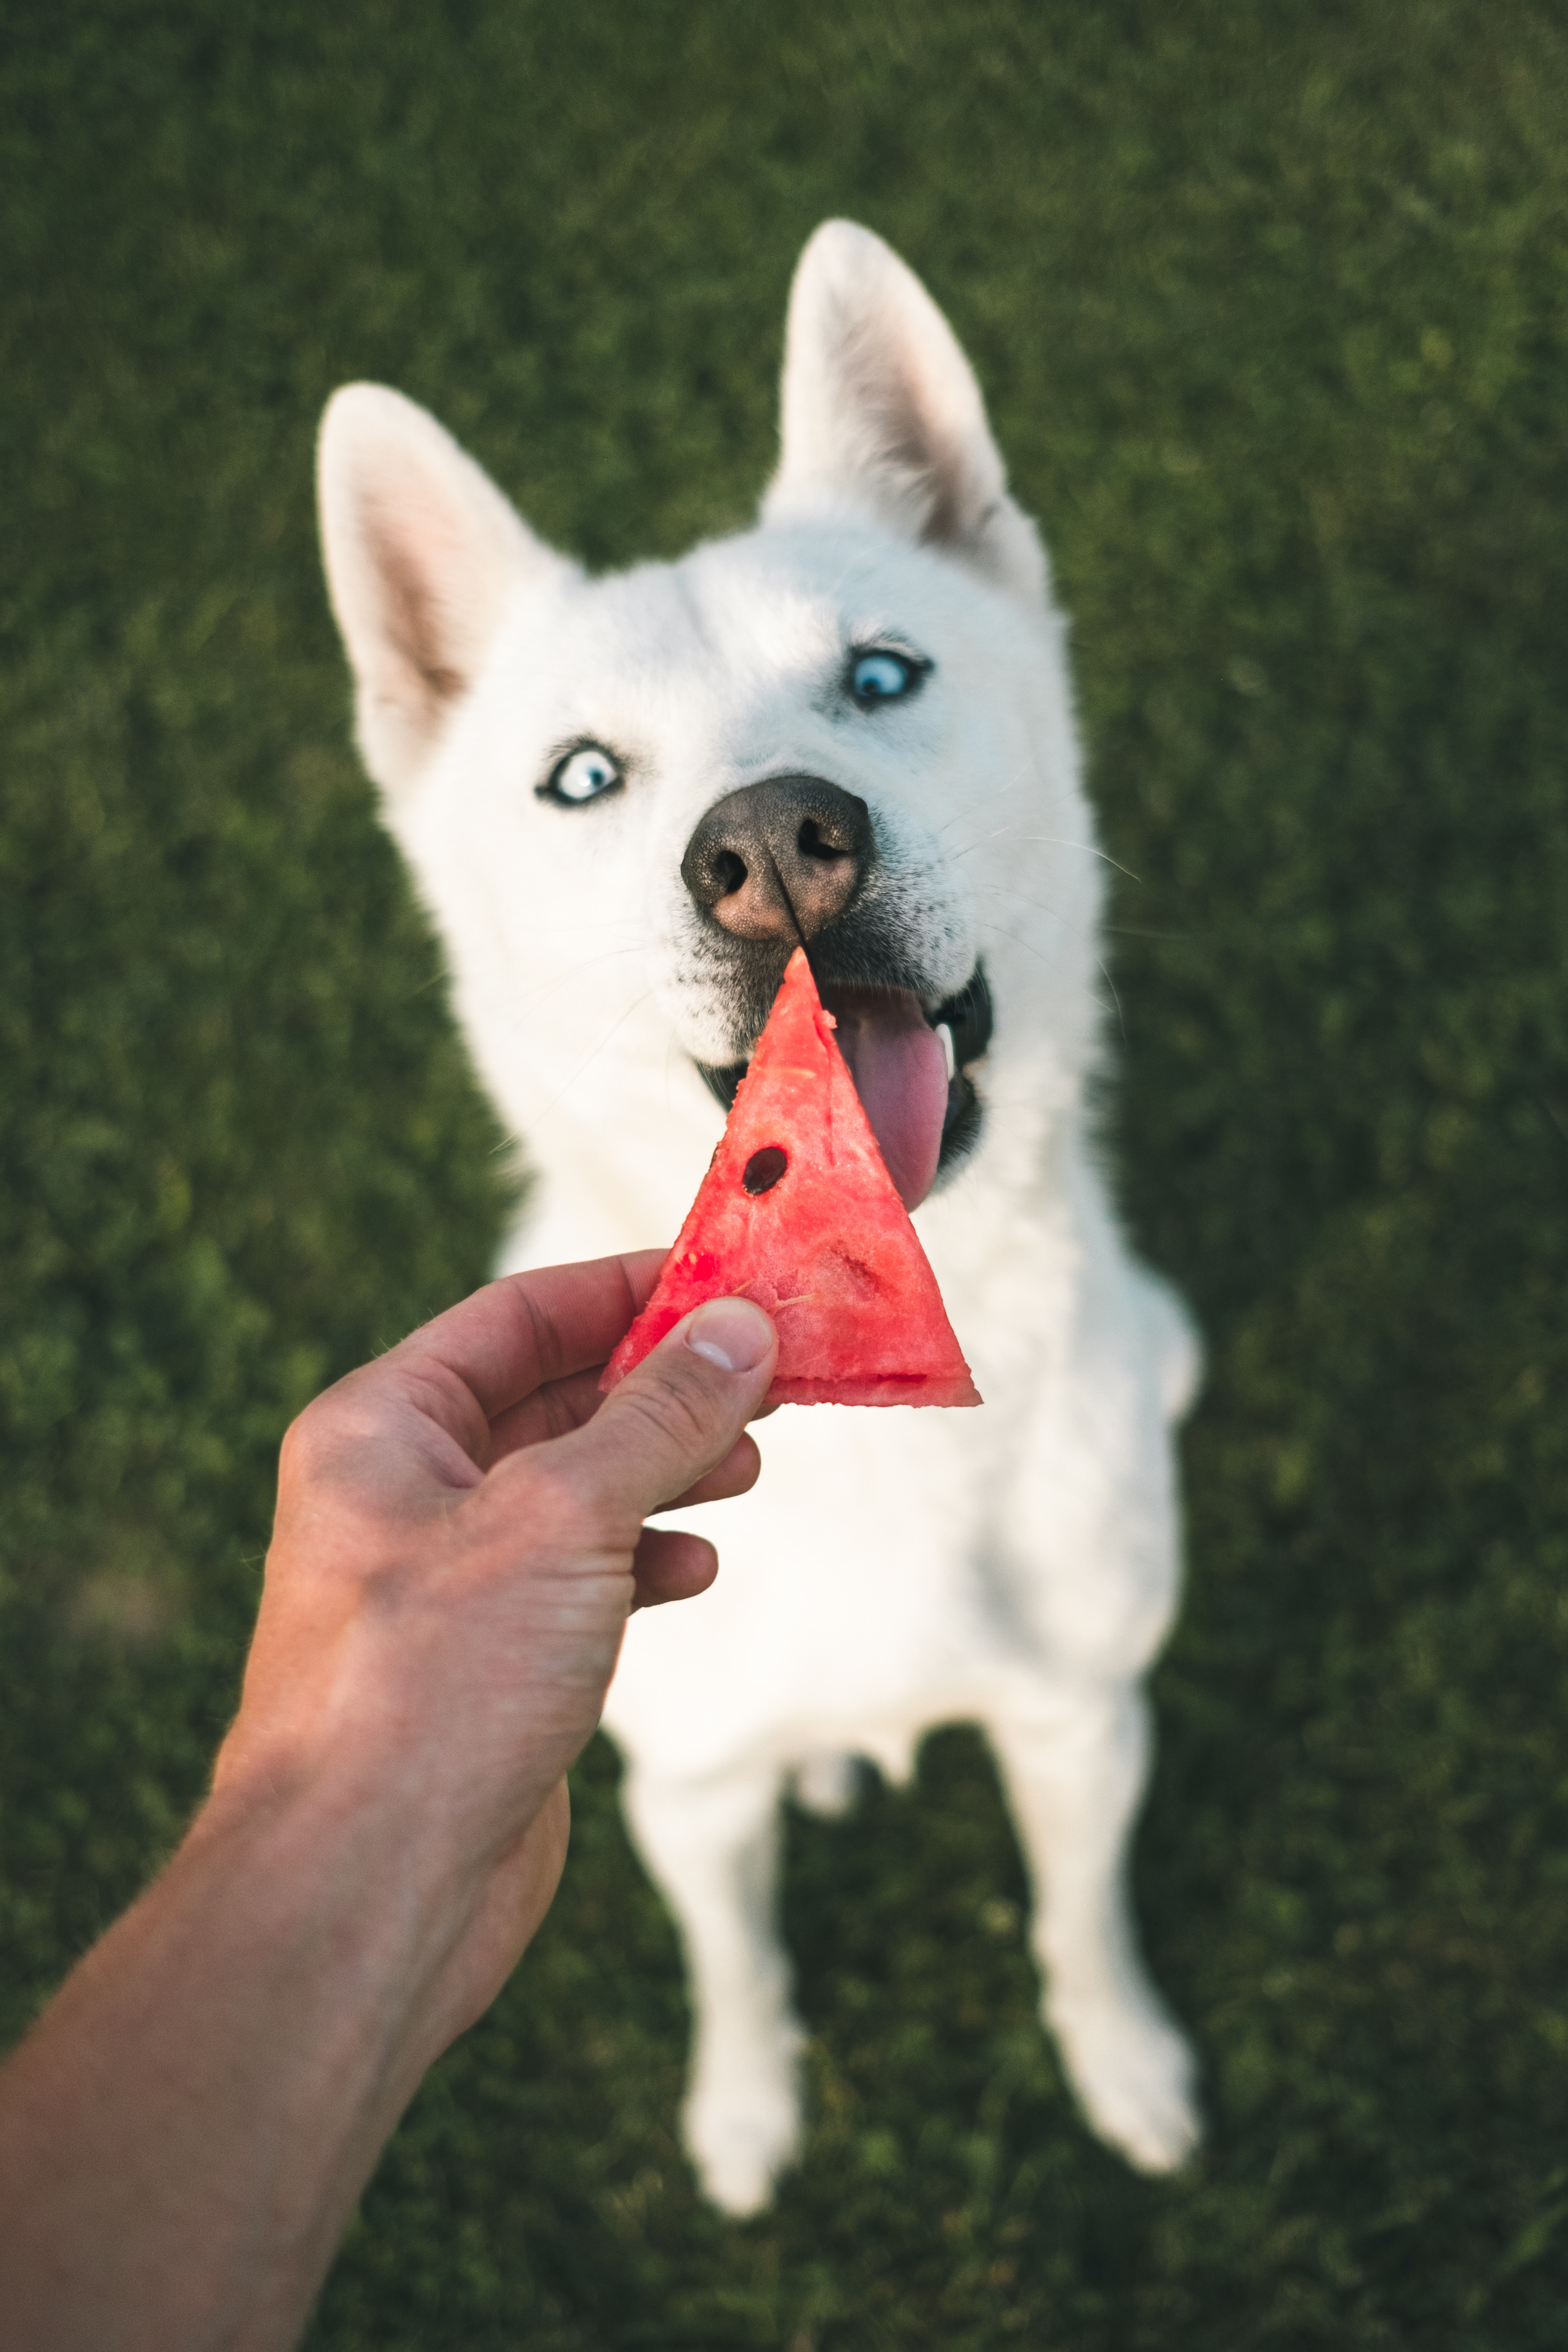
1270	304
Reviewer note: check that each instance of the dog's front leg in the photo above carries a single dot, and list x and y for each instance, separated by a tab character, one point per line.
1075	1769
711	1845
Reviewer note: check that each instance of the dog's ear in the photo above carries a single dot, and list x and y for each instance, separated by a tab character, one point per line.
422	552
882	410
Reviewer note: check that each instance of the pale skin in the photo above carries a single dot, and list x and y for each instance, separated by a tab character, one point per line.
459	1541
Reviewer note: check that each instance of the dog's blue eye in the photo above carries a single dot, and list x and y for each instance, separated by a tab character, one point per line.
883	677
585	774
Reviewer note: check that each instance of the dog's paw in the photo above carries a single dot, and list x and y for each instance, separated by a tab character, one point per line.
742	2137
1134	2077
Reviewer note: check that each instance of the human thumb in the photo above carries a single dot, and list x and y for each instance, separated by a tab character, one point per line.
679	1411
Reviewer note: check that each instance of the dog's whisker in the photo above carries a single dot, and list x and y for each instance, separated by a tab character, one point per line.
573	970
1041	906
1001	930
1059	841
998	792
982	841
556	1100
1105	975
1090	848
569	972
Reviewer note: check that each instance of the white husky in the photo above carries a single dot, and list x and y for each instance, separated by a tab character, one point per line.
622	801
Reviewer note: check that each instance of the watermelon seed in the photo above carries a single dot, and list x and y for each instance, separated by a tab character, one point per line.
764	1169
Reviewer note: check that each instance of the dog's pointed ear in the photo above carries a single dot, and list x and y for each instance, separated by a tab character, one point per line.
882	410
422	553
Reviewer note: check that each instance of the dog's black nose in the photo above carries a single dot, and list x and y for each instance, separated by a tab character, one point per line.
780	860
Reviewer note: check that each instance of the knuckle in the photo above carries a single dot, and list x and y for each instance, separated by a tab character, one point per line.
549	1346
559	1411
310	1443
678	1413
546	1491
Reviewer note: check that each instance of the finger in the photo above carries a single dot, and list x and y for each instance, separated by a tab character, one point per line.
553	1410
515	1335
736	1474
565	1405
422	1418
560	1406
670	1565
671	1419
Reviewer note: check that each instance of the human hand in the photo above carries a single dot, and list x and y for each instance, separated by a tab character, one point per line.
459	1540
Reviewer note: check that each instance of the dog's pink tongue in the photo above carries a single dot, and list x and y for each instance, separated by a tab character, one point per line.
900	1070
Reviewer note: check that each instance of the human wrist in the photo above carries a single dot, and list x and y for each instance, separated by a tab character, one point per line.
328	1884
397	1848
343	1826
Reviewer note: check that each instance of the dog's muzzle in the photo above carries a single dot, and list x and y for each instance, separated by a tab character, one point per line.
966	1017
793	862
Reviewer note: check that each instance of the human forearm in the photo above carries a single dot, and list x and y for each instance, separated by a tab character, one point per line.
184	2138
459	1539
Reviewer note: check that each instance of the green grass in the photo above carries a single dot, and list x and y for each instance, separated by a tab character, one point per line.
1269	303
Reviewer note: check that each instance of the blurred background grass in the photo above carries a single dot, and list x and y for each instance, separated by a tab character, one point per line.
1270	305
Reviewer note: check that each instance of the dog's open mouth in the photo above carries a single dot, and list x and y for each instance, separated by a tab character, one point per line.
910	1071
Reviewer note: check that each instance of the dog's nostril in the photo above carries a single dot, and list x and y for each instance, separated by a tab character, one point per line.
812	842
764	1169
729	872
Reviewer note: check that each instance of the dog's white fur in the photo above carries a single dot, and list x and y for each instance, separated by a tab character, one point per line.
1018	1566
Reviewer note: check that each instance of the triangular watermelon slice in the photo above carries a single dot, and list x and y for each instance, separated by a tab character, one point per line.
798	1212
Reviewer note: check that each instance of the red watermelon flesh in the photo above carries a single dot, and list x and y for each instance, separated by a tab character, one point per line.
823	1243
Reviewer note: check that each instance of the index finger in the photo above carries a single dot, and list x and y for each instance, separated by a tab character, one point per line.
515	1334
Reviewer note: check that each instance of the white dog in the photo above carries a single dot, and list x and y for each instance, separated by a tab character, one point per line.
622	801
